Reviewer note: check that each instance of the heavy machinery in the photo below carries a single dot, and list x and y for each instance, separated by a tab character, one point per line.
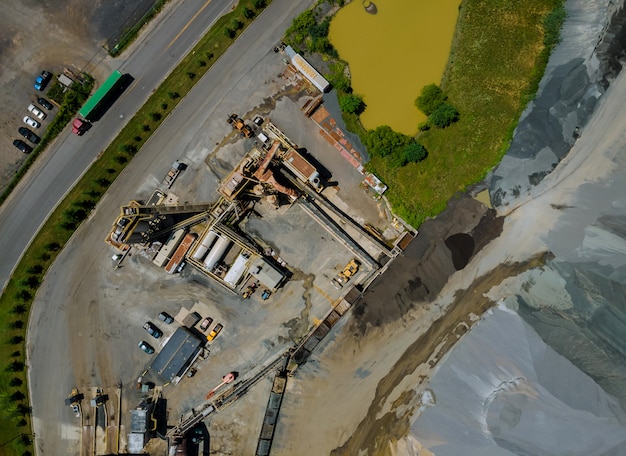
238	124
346	274
73	400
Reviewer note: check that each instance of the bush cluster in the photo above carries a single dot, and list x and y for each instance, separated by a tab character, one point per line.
432	101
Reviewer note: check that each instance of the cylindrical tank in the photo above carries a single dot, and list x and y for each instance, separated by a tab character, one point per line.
216	253
205	243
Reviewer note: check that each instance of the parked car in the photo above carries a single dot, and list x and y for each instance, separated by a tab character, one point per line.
21	145
42	80
165	317
76	410
206	323
145	346
31	122
45	103
36	111
215	332
26	133
152	330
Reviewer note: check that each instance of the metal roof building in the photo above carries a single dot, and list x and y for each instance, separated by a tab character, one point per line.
176	355
267	274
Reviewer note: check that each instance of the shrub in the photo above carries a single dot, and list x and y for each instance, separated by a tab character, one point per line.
16	354
230	33
139	138
23	409
19	309
429	99
15	340
201	63
191	75
236	23
31	282
96	193
120	159
131	149
248	13
352	104
75	214
17	396
15	366
444	116
35	269
396	159
24	295
17	324
103	182
258	4
163	107
415	152
45	256
53	246
156	116
111	170
173	96
22	423
145	127
15	381
383	141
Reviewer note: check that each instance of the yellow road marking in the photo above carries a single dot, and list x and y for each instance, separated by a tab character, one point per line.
188	24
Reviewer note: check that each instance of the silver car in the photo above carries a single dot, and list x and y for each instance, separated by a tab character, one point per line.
36	112
31	122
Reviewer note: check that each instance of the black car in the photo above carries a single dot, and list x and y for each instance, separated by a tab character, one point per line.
21	145
45	103
165	317
26	133
145	346
152	330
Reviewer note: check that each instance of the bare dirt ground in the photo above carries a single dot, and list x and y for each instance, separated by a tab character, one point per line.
48	35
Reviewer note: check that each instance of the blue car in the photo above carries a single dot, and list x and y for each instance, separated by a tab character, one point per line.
42	80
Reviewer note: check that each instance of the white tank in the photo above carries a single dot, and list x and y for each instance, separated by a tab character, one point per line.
205	243
216	253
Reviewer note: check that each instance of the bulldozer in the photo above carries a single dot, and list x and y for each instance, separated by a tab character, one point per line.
346	274
238	124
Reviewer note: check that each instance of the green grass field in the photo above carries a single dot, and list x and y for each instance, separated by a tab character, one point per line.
497	59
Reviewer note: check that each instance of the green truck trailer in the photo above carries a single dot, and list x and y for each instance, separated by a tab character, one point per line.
97	103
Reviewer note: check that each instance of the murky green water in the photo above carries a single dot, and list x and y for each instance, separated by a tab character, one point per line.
393	54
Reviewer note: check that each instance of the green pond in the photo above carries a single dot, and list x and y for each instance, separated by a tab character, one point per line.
393	54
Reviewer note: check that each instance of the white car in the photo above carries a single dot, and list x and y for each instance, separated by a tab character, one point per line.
31	122
37	112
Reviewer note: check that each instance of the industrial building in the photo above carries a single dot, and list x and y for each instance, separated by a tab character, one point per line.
177	354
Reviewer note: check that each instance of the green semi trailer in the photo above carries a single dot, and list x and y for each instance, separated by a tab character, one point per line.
97	103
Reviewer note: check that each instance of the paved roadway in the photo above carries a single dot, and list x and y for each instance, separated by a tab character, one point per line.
74	308
69	156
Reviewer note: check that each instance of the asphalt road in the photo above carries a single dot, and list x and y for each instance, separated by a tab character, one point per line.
90	330
69	156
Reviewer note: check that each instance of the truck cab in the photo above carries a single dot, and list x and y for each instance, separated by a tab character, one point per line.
80	126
